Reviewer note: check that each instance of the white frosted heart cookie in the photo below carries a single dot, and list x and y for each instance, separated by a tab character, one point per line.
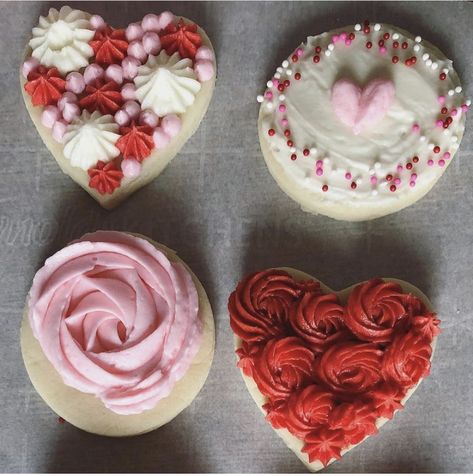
328	368
361	121
118	334
114	106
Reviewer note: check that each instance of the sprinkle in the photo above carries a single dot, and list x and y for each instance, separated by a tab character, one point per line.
415	127
377	165
324	188
327	52
318	49
416	48
306	152
404	45
382	50
275	83
282	97
468	102
316	59
290	144
393	188
395	36
451	92
343	36
319	171
279	69
289	72
425	56
399	168
348	176
395	59
447	155
284	122
435	66
441	162
454	112
458	89
428	62
441	99
294	58
436	149
464	108
260	98
369	44
299	52
292	150
297	76
414	176
277	75
353	185
444	110
415	159
439	123
271	132
430	162
319	164
331	46
269	83
389	177
409	166
442	76
395	43
386	36
397	181
285	63
374	180
282	108
287	133
412	183
293	157
348	42
313	150
357	27
422	138
377	27
418	39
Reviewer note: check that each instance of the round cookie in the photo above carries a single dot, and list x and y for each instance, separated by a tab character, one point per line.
362	121
122	411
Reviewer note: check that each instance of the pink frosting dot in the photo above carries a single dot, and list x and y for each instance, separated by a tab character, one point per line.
319	171
412	183
441	163
122	118
441	99
446	155
67	97
136	50
131	168
343	36
282	108
397	181
49	116
59	129
134	32
348	175
165	19
151	22
414	176
160	138
382	50
464	108
204	53
374	180
128	92
335	38
75	82
415	127
269	94
299	52
133	109
151	43
399	168
171	125
130	67
430	162
275	83
439	123
204	69
93	72
70	112
97	22
29	65
114	73
319	163
284	122
149	118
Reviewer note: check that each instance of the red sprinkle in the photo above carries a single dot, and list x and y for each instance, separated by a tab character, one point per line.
442	76
413	60
404	45
395	59
409	166
306	152
436	149
386	36
324	188
366	30
287	83
415	159
353	185
290	143
395	44
369	44
294	58
381	43
444	110
392	188
316	59
389	177
271	132
318	49
281	87
293	157
297	76
351	36
287	132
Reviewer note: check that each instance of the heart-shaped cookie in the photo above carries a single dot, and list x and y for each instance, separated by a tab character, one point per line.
114	106
327	368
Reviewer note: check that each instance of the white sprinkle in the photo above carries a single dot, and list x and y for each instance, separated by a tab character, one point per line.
277	75
416	47
425	56
269	105
422	138
374	192
458	89
418	39
358	181
446	132
468	102
395	36
292	149
451	92
331	46
269	83
327	53
377	27
289	72
454	138
326	161
377	165
431	146
282	97
313	150
260	98
428	62
279	70
445	70
285	63
357	27
435	66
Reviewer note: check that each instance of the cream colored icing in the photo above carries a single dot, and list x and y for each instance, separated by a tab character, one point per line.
62	40
116	319
166	84
90	138
379	151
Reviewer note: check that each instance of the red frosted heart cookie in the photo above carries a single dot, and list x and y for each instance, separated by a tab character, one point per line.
115	105
329	368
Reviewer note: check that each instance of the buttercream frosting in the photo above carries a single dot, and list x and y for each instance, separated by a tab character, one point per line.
409	131
116	319
61	40
166	84
90	138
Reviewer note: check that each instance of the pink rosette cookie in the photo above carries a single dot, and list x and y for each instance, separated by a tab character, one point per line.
117	327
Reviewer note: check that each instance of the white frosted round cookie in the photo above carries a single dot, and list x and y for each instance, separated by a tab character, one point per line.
361	121
87	411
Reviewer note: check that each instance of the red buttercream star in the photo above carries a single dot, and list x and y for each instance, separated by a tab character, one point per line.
105	98
324	445
105	178
45	86
109	46
182	38
387	399
136	142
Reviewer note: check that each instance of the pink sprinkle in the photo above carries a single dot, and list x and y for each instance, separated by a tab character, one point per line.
128	92
430	162
130	67
59	129
414	176
93	72
132	108
97	22
374	180
412	183
70	111
415	127
343	36
397	181
269	94
131	168
439	123
319	171
275	83
382	50
149	118
447	155
151	43
464	108
284	122
441	99
29	65
348	175
348	42
399	168
134	32
122	118
454	112
442	163
299	52
319	164
282	108
335	38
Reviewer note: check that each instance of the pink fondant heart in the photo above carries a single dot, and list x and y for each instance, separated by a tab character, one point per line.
358	108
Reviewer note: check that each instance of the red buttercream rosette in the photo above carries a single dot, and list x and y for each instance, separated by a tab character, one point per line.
45	86
136	142
181	37
105	177
109	45
348	366
102	96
